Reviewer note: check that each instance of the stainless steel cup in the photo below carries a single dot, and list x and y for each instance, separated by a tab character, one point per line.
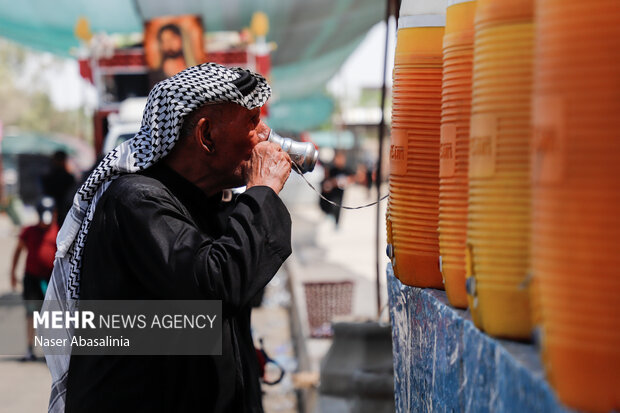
303	154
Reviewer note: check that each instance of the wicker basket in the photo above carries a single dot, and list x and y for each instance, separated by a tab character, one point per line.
324	301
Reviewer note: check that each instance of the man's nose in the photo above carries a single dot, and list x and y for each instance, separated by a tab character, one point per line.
262	131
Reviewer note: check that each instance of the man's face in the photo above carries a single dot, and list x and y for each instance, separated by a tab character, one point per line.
235	136
170	44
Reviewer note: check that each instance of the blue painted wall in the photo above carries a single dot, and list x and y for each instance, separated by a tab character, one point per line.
443	363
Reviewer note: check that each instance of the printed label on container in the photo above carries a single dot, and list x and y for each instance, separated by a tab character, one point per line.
447	148
398	152
482	146
548	140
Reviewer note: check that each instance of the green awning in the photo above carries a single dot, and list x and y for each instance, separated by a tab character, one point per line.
336	139
298	115
313	38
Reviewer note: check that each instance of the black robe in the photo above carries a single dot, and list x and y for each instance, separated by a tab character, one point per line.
157	236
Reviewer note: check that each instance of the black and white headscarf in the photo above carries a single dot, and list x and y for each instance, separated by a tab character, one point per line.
167	105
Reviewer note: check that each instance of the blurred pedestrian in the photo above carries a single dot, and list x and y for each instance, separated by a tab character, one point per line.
57	183
39	242
337	178
370	176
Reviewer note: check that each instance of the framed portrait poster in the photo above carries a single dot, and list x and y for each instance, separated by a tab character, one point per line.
171	44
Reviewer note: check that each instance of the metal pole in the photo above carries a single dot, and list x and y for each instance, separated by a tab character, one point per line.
138	9
379	230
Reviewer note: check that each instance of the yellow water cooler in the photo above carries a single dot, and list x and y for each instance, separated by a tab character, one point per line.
413	206
458	55
499	212
576	198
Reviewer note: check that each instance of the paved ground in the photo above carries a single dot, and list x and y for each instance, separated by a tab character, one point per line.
321	253
24	387
271	322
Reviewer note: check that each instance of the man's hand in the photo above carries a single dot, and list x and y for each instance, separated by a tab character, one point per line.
268	166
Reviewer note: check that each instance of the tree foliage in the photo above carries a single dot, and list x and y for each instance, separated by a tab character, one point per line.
24	97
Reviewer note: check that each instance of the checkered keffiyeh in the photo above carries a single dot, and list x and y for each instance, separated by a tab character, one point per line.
167	105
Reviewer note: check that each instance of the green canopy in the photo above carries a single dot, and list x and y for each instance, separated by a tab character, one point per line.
313	38
337	139
298	115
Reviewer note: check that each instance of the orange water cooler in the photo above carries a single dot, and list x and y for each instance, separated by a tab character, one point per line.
458	54
499	213
413	206
576	198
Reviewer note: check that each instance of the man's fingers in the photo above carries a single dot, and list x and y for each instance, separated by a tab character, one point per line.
263	131
286	156
269	165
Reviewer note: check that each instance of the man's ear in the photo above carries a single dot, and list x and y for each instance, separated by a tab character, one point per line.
202	135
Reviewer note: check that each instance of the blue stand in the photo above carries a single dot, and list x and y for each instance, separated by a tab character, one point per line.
443	363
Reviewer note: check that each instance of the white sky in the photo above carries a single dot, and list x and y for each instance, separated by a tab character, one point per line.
60	78
68	90
364	68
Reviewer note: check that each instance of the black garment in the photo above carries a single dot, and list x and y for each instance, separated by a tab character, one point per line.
157	236
56	184
34	287
34	293
336	191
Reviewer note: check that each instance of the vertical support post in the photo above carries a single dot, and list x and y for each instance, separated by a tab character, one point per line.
379	231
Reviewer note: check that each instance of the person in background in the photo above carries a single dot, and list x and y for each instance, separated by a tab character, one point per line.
337	178
370	175
39	242
57	183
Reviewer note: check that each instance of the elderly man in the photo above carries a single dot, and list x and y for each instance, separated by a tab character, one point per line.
151	222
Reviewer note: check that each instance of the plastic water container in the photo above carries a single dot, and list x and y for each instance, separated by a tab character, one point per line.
499	214
576	198
413	205
458	56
